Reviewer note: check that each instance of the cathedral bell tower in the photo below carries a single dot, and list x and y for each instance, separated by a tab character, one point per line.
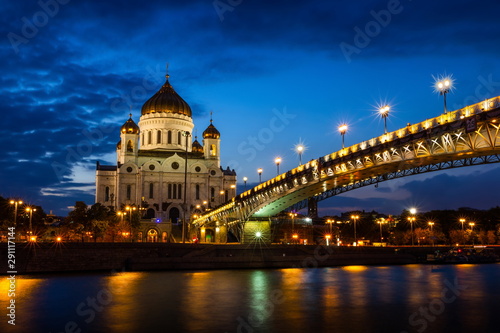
127	146
211	143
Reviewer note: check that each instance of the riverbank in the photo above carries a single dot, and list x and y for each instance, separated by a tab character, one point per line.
76	257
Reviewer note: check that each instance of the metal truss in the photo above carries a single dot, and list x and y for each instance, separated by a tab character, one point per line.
479	160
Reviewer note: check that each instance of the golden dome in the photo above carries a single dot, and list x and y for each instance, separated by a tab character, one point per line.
166	100
197	147
130	127
211	132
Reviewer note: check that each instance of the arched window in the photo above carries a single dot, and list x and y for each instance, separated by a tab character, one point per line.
169	195
106	194
179	138
169	137
130	146
197	192
174	191
129	192
179	187
212	194
213	150
151	187
142	139
158	137
149	138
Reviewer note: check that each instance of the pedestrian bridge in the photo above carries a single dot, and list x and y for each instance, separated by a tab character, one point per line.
465	137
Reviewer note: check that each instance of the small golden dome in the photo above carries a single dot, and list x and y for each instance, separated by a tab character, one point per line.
166	100
130	127
211	132
197	147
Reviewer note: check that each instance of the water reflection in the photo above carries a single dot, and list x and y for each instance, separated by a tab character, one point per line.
345	299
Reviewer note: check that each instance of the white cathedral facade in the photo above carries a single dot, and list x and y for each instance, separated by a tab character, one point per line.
161	173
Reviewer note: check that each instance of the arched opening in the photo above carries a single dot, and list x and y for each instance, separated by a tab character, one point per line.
149	137
152	235
212	194
213	150
209	236
197	192
158	137
169	137
130	146
106	194
164	237
174	215
150	213
179	139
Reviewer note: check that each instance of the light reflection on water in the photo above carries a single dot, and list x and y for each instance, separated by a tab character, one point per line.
342	299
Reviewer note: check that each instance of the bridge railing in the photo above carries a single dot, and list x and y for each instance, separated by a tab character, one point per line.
425	125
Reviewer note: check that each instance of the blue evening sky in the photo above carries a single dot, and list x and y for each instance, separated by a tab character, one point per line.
275	73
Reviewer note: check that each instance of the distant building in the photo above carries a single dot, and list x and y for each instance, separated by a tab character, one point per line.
151	173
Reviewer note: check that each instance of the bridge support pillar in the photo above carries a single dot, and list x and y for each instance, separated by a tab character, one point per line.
312	208
256	232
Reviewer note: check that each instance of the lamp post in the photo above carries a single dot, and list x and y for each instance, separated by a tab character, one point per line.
462	220
384	113
293	215
300	149
277	160
443	86
355	218
259	170
130	209
31	210
184	207
245	182
330	222
15	203
380	224
343	130
431	224
472	224
412	219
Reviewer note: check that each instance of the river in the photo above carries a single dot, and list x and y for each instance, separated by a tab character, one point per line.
410	298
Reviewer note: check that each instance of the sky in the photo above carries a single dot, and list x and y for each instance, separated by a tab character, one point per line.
274	73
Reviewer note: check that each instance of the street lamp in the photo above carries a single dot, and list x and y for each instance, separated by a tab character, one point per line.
330	222
472	224
15	203
343	130
31	210
384	113
130	209
380	224
300	149
259	170
293	215
277	160
355	218
412	219
245	181
431	224
184	207
443	86
462	221
328	239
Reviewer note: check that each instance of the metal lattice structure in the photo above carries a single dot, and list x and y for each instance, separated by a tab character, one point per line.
466	137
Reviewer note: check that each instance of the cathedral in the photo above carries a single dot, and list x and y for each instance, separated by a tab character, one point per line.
161	173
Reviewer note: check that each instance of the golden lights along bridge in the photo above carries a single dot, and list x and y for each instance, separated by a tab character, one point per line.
465	137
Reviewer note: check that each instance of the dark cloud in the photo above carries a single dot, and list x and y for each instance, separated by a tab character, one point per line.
82	69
